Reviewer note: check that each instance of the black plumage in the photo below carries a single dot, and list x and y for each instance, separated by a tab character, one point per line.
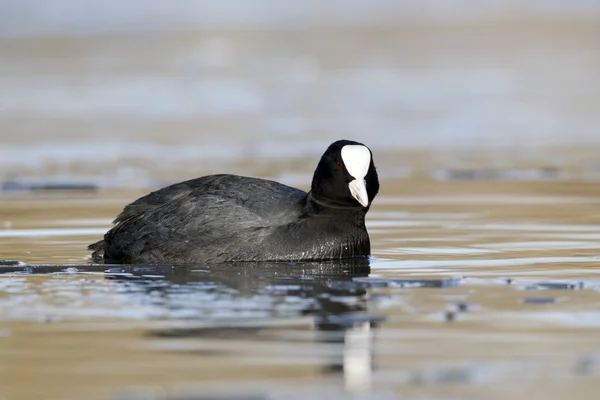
226	218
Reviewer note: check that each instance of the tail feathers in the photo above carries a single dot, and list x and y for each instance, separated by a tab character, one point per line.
98	251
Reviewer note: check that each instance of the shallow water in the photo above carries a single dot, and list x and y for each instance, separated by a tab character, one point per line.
473	291
483	117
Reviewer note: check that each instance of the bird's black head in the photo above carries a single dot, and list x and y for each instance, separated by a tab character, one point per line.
346	176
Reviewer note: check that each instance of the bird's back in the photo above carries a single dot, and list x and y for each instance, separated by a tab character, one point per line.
199	220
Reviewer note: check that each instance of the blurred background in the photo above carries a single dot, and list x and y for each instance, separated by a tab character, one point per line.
127	92
484	287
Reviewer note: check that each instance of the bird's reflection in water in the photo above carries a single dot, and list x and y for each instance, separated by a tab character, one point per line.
237	301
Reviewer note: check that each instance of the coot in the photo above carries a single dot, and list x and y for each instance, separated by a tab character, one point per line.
231	218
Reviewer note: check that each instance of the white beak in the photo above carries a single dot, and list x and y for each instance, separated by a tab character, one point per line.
358	190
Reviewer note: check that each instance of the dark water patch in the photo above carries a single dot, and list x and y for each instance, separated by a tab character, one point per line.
12	185
410	283
341	322
463	306
450	316
222	332
588	364
11	263
539	300
457	308
556	286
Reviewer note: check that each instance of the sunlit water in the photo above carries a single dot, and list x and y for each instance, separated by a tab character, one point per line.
473	291
483	118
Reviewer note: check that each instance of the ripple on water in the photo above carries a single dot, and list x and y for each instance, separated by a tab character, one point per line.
224	292
443	287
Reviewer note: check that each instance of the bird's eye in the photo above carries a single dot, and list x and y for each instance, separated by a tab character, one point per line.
340	165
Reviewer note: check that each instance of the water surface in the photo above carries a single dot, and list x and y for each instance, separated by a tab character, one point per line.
473	291
483	118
